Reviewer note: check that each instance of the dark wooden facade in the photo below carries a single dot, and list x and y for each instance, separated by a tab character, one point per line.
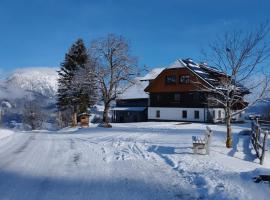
136	110
159	85
129	116
195	99
143	102
178	92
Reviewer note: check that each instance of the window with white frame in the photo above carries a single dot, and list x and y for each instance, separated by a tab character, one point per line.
170	79
184	79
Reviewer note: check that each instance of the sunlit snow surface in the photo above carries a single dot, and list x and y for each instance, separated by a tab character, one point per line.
151	160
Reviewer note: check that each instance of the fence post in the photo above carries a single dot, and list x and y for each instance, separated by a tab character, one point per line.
264	147
209	141
256	136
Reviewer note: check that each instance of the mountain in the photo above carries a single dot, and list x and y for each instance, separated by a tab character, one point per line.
37	85
261	108
38	80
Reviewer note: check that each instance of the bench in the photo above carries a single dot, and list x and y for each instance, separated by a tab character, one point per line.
202	144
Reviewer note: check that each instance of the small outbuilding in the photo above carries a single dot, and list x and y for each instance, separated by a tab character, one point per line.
84	119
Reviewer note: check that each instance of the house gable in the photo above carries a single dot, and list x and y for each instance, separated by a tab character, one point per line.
159	84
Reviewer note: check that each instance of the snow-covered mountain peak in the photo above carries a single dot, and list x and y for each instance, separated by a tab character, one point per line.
41	80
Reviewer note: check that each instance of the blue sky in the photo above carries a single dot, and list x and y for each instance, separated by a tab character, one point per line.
39	32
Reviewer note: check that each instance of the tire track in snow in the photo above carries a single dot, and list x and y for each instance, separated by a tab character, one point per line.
25	144
11	143
195	181
10	153
52	156
119	149
206	182
77	158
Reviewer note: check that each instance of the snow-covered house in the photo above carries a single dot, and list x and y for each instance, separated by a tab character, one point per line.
174	96
131	106
171	94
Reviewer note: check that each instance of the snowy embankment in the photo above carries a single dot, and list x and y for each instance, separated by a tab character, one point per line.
5	133
130	161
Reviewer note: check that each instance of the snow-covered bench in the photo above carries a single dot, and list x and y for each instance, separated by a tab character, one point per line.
202	143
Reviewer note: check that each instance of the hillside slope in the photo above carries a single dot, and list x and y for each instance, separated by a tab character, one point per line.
41	80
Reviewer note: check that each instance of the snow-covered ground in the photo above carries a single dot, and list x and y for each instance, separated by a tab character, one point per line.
5	133
151	160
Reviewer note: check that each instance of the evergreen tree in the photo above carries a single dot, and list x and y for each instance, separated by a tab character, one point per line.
76	90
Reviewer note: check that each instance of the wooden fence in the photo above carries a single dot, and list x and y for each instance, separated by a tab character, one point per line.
259	134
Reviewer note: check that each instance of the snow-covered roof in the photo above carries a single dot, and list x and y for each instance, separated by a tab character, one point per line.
177	64
197	69
129	108
152	74
210	75
211	69
200	72
135	91
6	104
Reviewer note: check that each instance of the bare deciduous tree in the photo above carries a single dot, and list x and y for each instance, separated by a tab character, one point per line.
239	55
115	67
32	115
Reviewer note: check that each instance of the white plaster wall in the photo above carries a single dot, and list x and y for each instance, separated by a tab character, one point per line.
238	117
175	114
215	116
167	113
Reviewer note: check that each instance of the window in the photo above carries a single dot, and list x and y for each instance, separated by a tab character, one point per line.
219	114
170	79
214	114
158	98
158	114
196	114
184	114
184	79
177	97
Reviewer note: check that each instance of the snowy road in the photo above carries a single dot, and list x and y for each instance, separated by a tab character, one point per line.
121	163
51	166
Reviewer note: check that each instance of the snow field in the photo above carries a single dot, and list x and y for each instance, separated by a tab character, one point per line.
129	161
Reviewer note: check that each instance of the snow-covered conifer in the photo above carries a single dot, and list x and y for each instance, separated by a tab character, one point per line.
76	90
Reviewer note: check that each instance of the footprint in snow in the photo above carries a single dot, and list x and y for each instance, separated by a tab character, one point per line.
220	187
103	150
76	158
71	144
120	157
